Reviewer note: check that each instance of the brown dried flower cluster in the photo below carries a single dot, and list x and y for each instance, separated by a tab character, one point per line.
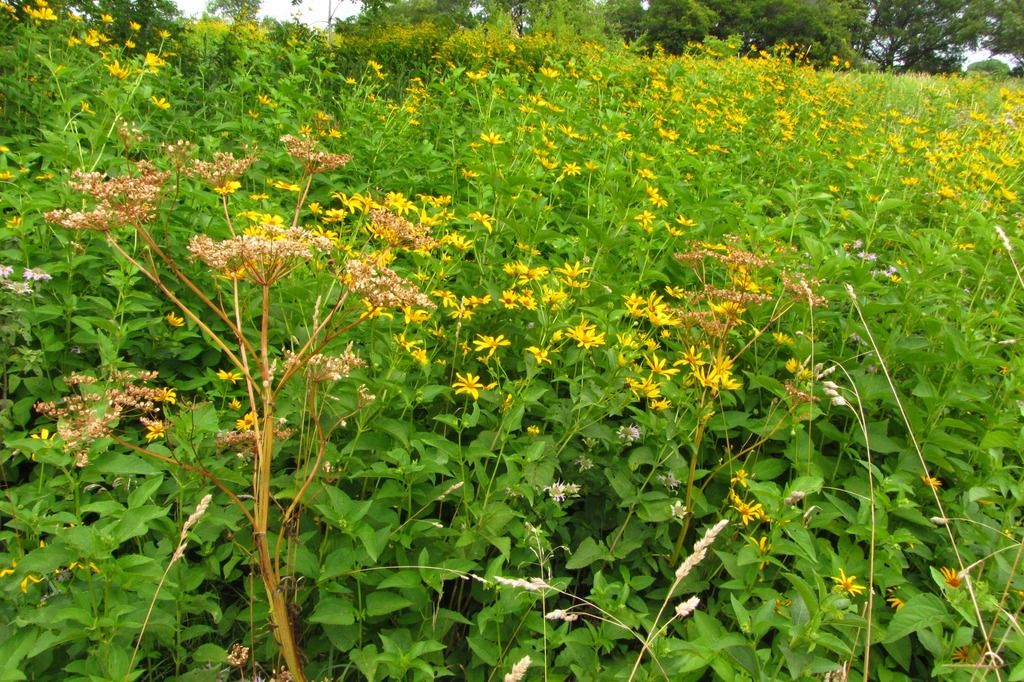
314	161
802	288
124	200
264	254
383	288
179	153
130	135
706	321
238	655
320	368
798	395
399	232
711	293
224	168
244	442
728	254
96	409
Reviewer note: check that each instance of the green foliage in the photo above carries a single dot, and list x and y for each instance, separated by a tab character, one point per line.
642	327
1005	34
992	67
931	36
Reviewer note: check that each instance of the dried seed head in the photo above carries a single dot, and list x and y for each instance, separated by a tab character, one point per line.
238	655
687	607
399	232
224	168
794	498
518	671
263	255
381	287
559	614
127	200
314	161
700	549
531	585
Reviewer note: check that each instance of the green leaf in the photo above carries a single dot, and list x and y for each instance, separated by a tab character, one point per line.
334	611
587	553
381	602
920	612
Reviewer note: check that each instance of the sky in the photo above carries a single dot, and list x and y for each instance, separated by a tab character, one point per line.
312	12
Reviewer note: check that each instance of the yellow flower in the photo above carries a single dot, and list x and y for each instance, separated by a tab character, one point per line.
246	423
286	186
106	19
848	584
782	339
585	335
931	482
490	343
228	375
41	14
895	602
533	430
25	582
44	434
951	577
154	62
415	315
469	384
160	102
174	320
540	355
491	138
117	71
660	404
155	430
235	404
229	187
167	395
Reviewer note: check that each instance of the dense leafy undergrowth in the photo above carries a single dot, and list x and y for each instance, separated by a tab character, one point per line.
474	393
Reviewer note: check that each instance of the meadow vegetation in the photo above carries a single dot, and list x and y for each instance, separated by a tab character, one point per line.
463	355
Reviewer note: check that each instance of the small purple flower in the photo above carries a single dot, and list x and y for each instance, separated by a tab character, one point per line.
5	271
560	491
629	434
869	257
19	288
669	480
35	275
857	244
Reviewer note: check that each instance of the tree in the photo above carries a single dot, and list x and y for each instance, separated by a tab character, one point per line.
236	10
1005	34
992	67
674	23
822	27
447	13
626	18
919	35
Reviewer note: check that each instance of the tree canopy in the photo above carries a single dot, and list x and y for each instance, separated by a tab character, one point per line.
892	35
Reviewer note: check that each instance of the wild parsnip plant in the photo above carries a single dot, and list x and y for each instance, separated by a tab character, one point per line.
468	336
